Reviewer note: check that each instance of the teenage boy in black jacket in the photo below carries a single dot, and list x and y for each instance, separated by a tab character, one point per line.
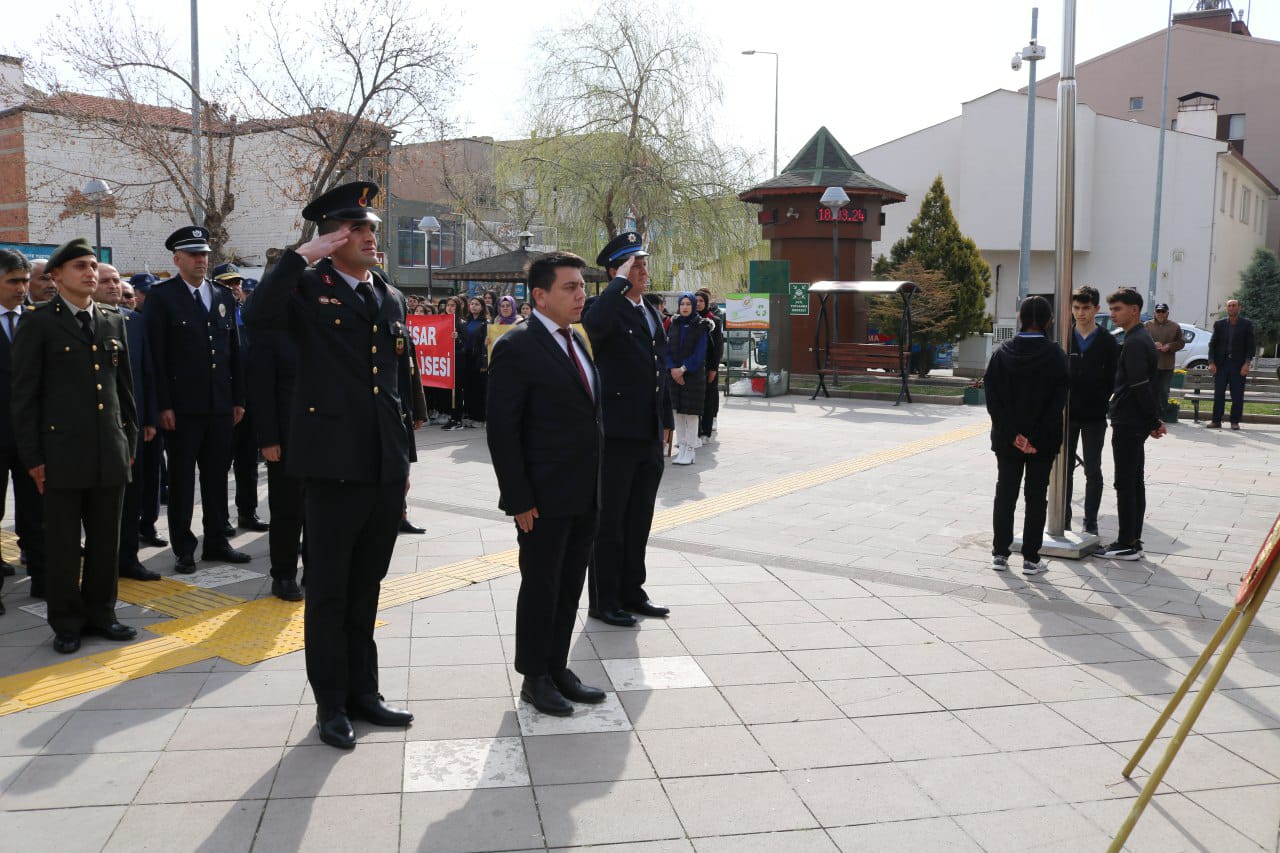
1026	382
1093	357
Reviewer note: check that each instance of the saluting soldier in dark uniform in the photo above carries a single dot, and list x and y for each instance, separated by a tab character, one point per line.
349	440
77	431
630	349
200	394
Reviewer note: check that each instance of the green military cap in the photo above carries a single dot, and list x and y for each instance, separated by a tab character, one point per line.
69	251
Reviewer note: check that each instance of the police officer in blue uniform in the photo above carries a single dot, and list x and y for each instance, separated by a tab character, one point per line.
200	394
151	453
350	440
630	348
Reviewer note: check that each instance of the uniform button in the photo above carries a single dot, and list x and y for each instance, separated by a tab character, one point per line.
337	321
375	327
375	389
213	352
100	407
53	429
373	350
214	365
93	348
66	349
375	371
312	410
96	367
655	389
99	387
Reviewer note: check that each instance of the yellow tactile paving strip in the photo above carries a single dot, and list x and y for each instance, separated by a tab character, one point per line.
211	624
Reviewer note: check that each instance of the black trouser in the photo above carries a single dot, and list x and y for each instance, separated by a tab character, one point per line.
203	440
152	455
75	602
130	512
553	566
351	532
28	512
1011	464
1164	381
284	498
1128	453
475	381
1092	434
1228	377
244	460
629	482
710	407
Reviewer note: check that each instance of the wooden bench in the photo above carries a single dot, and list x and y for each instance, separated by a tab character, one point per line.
846	358
1199	387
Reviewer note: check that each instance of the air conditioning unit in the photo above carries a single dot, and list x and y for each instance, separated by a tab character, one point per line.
1004	330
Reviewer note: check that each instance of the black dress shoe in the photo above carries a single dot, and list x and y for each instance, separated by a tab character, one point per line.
252	522
115	631
229	530
36	590
541	692
225	554
139	572
152	539
335	729
286	590
185	565
65	644
407	526
648	608
621	618
572	688
372	709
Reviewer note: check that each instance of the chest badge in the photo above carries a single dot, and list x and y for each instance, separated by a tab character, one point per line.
222	309
399	346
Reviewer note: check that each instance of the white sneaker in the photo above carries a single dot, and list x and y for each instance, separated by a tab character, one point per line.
1029	568
999	563
685	457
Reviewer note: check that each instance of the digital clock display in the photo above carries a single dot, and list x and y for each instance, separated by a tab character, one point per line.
844	214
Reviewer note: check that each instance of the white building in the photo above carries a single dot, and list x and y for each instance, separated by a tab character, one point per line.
1212	220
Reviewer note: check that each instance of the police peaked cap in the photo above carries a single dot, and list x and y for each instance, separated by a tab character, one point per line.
190	238
226	272
625	245
346	203
69	251
142	281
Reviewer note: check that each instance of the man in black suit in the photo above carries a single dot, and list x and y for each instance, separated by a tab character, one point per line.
545	435
1231	350
348	440
109	292
151	452
200	394
630	349
15	277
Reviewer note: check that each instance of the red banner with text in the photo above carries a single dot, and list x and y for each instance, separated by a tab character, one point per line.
433	344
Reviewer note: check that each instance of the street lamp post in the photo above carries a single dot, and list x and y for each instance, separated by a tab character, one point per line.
97	191
776	62
429	225
1031	54
835	198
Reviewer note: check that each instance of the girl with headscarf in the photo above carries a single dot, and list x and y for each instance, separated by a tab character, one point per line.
507	315
475	358
715	352
686	358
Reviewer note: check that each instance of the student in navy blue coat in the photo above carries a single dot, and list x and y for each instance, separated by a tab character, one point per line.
630	348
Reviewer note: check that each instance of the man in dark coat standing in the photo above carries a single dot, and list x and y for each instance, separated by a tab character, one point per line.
1231	350
244	440
77	432
544	433
199	392
348	441
630	348
151	452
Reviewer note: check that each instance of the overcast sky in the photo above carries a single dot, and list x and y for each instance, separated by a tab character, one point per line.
869	71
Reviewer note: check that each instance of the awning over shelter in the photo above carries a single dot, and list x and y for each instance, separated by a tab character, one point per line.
509	267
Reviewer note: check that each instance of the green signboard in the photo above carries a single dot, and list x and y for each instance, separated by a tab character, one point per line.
798	298
768	276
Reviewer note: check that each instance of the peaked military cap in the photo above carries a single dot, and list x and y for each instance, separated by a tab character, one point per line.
624	246
346	203
142	282
227	272
191	238
68	251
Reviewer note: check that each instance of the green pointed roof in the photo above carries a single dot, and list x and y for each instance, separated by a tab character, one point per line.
823	162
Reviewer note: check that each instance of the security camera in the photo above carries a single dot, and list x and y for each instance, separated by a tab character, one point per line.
1016	62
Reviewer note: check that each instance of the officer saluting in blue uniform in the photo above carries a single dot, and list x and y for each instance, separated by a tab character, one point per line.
350	440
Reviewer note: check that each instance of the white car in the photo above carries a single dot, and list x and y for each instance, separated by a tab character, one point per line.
1195	354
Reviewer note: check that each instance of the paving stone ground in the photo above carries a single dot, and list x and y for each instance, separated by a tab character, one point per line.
841	671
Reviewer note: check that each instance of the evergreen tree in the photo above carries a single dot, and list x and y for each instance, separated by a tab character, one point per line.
1259	296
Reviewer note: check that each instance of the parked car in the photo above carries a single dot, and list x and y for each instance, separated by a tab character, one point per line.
1194	355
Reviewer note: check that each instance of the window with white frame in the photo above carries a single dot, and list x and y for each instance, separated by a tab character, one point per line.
1222	201
1231	211
1246	205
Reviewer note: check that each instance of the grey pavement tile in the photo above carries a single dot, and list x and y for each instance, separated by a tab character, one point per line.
1047	828
232	728
831	664
242	689
322	771
957	629
827	587
978	783
817	743
1254	812
780	703
1201	765
927	835
161	690
924	607
719	641
704	751
752	803
808	635
710	616
216	774
1112	719
679	595
445	719
925	659
60	781
1260	750
464	765
672	709
465	681
369	822
10	768
455	624
1081	773
720	575
655	673
1060	683
67	830
794	841
456	600
855	609
1018	653
938	734
606	716
1170	822
606	813
682	845
632	644
871	697
1137	676
749	668
220	826
780	612
447	651
115	731
1042	623
867	793
592	757
887	632
1019	727
26	733
980	689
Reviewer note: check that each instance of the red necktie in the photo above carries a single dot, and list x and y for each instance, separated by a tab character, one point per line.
573	355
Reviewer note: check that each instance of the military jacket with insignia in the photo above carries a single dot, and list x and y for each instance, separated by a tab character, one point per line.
350	417
199	369
73	408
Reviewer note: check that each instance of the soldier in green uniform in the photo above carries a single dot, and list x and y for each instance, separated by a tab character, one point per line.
77	430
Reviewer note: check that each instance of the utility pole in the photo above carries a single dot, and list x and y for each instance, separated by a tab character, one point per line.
1164	128
197	172
1031	54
